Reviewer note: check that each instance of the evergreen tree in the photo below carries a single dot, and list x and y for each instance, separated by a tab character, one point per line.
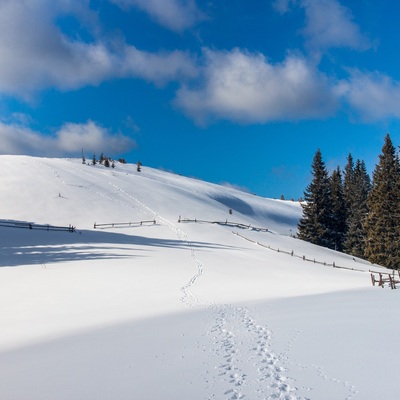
357	210
382	222
315	226
338	211
94	159
348	181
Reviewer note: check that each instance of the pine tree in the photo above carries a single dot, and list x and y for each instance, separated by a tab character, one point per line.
348	181
338	215
357	210
382	222
314	226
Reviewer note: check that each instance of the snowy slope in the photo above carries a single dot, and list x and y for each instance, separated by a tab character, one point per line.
177	310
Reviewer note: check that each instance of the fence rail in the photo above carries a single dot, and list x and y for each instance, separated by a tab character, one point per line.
382	278
31	225
292	253
225	223
123	224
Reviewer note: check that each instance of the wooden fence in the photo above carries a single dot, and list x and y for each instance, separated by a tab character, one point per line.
303	257
225	223
382	278
124	224
31	225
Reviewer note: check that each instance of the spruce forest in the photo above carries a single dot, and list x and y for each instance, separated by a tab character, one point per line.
348	212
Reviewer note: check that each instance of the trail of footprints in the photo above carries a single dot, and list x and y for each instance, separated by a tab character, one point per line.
241	343
236	338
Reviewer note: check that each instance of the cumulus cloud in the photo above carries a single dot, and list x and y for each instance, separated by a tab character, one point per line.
329	24
245	87
67	141
373	96
176	15
35	54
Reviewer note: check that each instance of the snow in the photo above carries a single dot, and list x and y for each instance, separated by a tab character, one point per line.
178	310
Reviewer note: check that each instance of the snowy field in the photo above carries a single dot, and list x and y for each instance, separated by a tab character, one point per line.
178	310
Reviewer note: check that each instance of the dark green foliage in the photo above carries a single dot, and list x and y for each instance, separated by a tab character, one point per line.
315	225
382	221
357	210
338	215
94	162
348	181
106	162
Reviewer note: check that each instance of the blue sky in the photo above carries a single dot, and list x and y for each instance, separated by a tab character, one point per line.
238	92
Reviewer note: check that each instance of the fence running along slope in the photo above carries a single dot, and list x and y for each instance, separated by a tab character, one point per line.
31	225
123	224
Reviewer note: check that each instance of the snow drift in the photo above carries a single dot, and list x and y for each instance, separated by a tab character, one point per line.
224	304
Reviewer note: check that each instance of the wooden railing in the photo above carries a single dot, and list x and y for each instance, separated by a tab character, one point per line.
123	224
225	223
31	225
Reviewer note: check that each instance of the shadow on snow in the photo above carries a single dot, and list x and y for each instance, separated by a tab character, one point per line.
26	247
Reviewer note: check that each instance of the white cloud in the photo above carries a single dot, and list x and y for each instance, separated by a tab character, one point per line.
329	24
176	15
158	67
283	6
67	141
373	96
35	54
244	87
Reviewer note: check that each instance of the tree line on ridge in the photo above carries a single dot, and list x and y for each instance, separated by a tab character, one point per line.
348	212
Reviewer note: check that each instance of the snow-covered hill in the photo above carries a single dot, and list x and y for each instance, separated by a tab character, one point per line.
178	310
